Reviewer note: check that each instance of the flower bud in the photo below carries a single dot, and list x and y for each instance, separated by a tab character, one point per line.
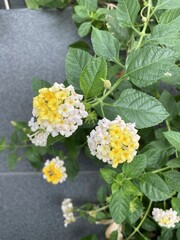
107	84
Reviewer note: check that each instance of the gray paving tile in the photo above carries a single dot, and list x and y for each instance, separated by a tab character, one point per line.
32	44
30	207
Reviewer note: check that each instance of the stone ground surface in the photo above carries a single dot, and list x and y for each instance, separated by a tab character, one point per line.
34	44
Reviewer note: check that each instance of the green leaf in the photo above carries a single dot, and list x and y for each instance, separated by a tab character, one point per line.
175	202
178	234
166	234
114	187
32	4
105	44
38	84
51	140
168	4
165	34
155	62
149	225
76	60
82	12
101	194
2	144
84	29
169	103
173	138
172	76
80	45
136	210
136	167
144	110
108	175
127	11
175	163
114	235
154	187
12	159
90	237
155	153
169	15
91	5
119	206
90	79
172	178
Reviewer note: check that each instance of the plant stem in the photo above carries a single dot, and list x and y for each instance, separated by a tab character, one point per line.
100	100
161	170
143	33
141	222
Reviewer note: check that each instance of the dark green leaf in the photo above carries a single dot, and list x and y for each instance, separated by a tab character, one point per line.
136	167
108	175
149	225
173	138
76	60
169	103
172	178
127	11
105	44
90	79
12	159
114	235
136	106
176	204
90	237
175	163
154	187
101	194
119	206
38	84
155	62
84	29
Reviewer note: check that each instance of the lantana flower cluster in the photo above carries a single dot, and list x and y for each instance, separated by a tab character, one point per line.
54	171
56	110
67	209
114	141
166	218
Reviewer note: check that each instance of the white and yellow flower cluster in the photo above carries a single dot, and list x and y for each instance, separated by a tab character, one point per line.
67	209
54	171
114	141
166	218
56	110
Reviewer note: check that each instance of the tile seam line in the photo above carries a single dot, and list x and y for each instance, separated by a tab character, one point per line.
39	173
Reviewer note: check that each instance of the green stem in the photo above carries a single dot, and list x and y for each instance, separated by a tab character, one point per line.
102	110
141	222
143	33
100	100
161	170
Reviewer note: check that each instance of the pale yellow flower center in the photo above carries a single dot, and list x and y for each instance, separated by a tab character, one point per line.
52	173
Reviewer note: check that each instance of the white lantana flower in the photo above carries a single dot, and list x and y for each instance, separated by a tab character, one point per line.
56	110
114	141
166	218
67	209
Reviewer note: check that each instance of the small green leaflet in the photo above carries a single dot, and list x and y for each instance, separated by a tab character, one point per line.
175	163
91	5
176	204
147	65
2	144
76	60
90	79
108	175
154	187
119	206
126	12
168	4
38	84
136	106
105	45
84	29
173	138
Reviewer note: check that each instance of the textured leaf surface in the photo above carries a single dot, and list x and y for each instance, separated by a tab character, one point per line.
146	65
154	187
105	44
90	79
168	4
173	138
169	15
76	60
127	11
172	178
119	206
138	107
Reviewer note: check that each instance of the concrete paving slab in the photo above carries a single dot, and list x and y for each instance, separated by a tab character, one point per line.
30	207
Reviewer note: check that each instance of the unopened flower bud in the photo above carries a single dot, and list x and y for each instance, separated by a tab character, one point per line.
107	84
143	19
